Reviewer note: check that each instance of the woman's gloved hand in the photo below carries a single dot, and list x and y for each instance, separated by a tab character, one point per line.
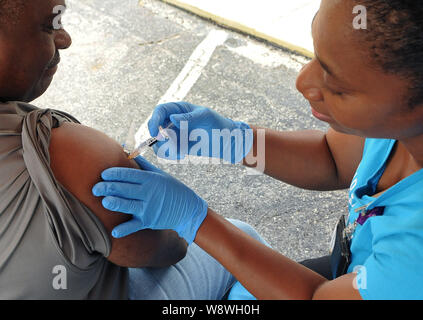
155	199
198	122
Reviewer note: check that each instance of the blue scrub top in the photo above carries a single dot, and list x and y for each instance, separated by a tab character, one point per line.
387	250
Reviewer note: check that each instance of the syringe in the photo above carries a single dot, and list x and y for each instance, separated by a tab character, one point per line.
151	141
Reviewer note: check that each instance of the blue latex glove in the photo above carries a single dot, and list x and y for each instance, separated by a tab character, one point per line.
154	198
197	117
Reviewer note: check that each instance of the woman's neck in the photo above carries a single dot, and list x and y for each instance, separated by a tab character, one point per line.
413	148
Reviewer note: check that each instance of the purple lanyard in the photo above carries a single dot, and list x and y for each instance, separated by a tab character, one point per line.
362	218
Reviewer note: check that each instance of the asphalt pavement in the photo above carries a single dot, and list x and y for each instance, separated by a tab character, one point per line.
127	56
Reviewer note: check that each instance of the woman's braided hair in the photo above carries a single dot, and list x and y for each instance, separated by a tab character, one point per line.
395	37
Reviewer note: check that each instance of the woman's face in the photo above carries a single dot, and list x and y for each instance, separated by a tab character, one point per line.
342	88
29	50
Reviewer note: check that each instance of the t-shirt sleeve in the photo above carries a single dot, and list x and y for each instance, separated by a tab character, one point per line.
394	270
79	234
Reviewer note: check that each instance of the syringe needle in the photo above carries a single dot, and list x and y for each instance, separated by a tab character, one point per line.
151	141
148	143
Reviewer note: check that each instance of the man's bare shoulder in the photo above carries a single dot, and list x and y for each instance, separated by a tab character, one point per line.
78	156
91	148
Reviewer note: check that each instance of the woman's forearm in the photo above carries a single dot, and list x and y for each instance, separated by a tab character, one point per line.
302	158
263	271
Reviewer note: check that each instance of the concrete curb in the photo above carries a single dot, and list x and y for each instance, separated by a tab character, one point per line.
236	26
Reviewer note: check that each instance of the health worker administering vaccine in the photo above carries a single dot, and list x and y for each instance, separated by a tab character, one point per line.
367	85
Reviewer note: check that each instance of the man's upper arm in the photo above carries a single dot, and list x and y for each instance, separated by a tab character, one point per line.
347	152
78	155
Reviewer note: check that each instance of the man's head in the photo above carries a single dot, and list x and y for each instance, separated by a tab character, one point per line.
29	47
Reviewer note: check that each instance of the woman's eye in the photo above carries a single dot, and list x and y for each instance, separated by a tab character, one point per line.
335	92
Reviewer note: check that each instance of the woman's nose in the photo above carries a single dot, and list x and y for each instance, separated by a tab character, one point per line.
63	40
309	84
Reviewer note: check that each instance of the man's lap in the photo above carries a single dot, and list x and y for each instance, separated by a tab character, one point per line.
199	276
196	277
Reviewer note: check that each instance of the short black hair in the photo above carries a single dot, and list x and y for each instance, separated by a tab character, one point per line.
395	37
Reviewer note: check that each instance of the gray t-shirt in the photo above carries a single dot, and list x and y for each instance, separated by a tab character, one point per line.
51	245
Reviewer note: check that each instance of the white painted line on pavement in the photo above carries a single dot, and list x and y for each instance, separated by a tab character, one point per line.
188	76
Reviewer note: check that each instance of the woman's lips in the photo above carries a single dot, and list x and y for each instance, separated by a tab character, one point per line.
320	116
